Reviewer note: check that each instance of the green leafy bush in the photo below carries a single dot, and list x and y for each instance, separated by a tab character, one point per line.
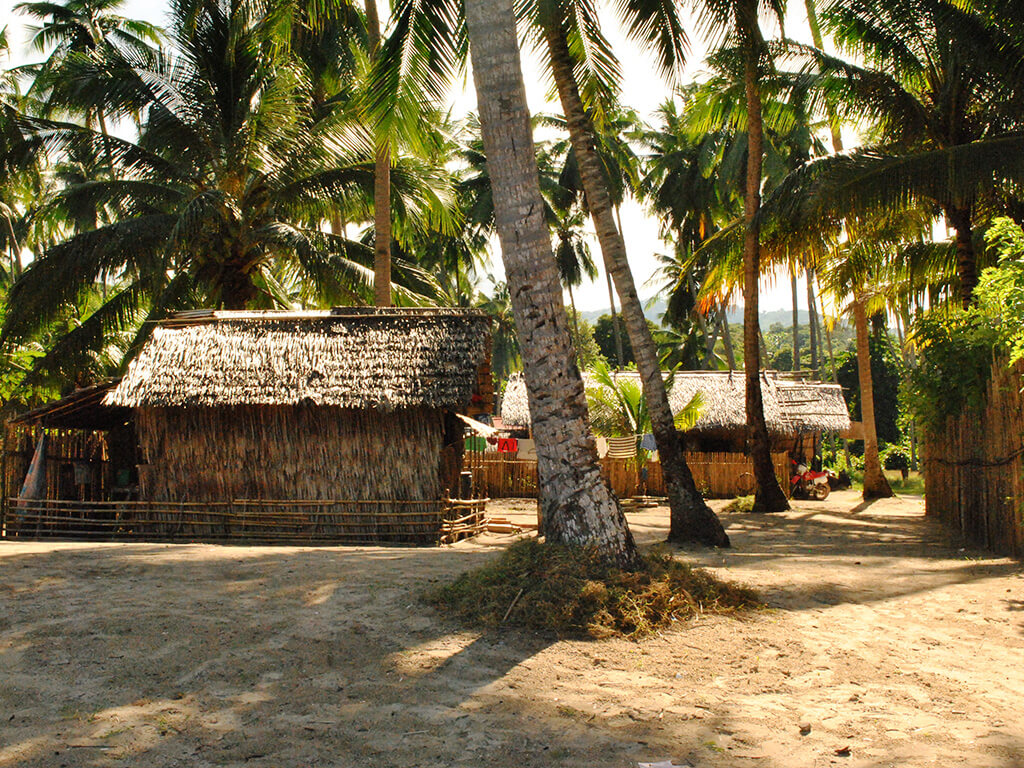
958	347
741	504
896	458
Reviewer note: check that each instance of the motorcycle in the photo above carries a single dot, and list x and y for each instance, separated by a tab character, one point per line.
808	484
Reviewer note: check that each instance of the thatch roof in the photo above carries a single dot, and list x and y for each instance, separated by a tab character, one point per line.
813	406
82	409
789	406
350	357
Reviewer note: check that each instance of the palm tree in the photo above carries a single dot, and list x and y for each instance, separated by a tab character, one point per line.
82	28
381	187
506	354
942	86
577	506
230	178
618	407
426	49
572	253
856	271
691	518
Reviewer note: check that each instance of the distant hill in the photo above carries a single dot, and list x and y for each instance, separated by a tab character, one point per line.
657	309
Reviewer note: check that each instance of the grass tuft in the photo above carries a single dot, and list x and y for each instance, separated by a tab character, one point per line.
572	592
741	504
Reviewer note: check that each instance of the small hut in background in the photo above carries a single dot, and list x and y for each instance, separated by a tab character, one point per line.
335	425
797	412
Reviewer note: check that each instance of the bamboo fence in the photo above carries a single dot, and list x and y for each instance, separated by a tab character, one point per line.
974	467
247	520
717	475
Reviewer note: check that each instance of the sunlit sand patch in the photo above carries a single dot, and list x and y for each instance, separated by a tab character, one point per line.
15	754
422	659
321	594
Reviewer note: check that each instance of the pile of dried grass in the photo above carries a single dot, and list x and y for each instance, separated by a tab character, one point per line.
572	592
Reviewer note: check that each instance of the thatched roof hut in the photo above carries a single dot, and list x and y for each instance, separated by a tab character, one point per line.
351	410
360	358
791	407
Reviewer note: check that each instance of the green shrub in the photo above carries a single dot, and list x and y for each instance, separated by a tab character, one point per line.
741	504
571	591
896	458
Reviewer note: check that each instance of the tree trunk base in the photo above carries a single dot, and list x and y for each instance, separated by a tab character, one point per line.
770	499
877	489
694	522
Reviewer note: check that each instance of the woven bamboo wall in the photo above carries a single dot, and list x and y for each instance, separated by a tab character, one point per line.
974	468
64	447
717	475
289	452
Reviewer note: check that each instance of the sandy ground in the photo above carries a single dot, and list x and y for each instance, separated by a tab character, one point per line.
885	645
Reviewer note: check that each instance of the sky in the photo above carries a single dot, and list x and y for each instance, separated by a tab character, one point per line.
643	90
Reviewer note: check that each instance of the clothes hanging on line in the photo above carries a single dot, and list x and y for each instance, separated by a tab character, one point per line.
622	447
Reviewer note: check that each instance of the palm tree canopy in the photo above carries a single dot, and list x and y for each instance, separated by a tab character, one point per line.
231	176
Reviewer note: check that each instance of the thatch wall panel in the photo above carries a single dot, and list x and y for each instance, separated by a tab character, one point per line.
289	452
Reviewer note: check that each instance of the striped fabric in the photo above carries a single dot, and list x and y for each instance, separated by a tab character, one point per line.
622	447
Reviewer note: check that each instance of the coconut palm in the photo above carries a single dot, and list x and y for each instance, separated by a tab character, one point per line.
72	28
581	76
572	253
856	273
381	186
506	355
942	85
618	407
426	49
229	179
577	506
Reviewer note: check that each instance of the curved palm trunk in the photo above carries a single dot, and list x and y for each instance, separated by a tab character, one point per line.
577	506
769	496
875	484
691	518
381	190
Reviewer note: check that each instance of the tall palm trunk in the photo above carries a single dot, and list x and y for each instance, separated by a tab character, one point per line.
966	263
691	519
381	189
616	331
872	464
723	322
875	484
709	339
796	324
812	320
577	506
769	496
